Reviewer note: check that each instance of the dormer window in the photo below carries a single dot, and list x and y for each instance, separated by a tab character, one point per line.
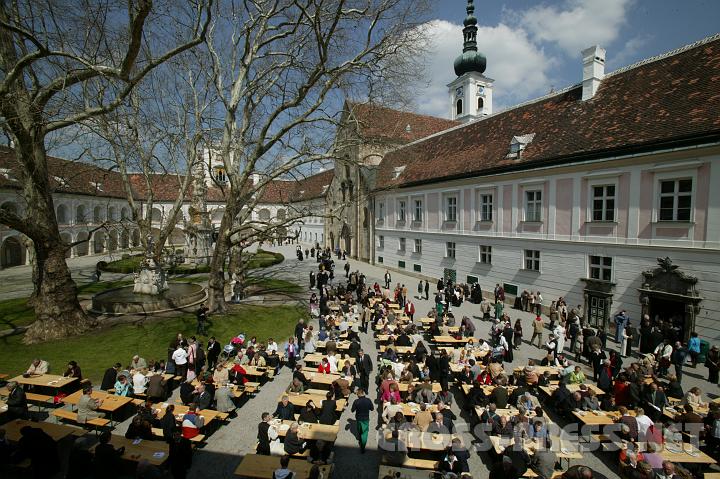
397	171
61	181
220	175
96	185
518	144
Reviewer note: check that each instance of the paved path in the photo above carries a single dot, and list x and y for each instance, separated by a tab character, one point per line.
226	446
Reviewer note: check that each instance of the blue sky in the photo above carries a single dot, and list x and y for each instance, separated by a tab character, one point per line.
535	46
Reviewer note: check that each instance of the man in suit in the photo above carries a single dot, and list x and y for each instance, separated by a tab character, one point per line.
364	367
203	399
655	401
285	410
263	447
213	352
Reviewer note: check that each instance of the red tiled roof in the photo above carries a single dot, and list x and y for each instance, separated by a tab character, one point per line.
72	177
671	99
302	189
376	122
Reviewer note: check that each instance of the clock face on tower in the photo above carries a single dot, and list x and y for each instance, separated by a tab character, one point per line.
459	91
480	90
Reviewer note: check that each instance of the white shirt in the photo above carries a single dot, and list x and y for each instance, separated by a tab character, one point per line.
180	356
139	382
333	363
644	424
272	347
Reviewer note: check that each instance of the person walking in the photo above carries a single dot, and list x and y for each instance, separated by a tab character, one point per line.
388	279
347	269
364	368
538	327
362	407
679	355
420	289
712	362
694	348
620	319
427	290
201	315
410	310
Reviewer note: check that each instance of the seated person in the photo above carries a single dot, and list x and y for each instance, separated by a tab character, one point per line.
139	381
38	366
122	386
139	428
576	376
456	458
202	399
295	387
389	409
309	413
528	401
285	410
137	363
590	401
192	422
107	458
503	427
293	443
16	402
392	393
73	371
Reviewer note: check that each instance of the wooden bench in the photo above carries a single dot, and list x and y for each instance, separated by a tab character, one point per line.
251	388
39	399
531	473
157	432
418	463
67	415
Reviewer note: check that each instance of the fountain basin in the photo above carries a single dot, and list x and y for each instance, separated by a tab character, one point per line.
125	301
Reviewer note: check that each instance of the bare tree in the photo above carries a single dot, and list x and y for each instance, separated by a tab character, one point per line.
281	68
62	63
155	142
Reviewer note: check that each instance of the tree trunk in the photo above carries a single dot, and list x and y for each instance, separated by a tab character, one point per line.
57	310
216	278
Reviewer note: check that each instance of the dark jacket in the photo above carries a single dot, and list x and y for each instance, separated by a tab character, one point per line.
285	412
327	412
169	426
17	404
109	378
263	439
499	396
362	407
293	444
156	387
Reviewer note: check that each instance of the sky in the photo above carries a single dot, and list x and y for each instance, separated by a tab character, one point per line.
533	47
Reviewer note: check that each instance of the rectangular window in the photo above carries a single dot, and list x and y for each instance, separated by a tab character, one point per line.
450	250
486	254
451	208
401	264
601	268
380	259
486	207
417	268
532	260
418	246
381	242
401	244
472	280
401	210
603	203
381	211
533	206
675	200
418	211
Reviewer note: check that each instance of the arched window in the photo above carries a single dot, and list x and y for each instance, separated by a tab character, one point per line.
458	107
481	103
62	215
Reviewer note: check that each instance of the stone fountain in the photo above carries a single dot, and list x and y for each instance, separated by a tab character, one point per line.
151	292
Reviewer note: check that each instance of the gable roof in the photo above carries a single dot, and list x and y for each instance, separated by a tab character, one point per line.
304	189
379	123
666	100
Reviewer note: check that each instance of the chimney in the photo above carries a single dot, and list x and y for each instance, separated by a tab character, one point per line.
593	70
255	178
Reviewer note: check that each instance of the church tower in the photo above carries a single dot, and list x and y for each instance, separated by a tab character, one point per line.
471	92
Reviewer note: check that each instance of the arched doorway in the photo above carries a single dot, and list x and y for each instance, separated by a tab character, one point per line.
177	237
157	215
82	248
12	252
98	242
136	238
112	241
347	237
124	239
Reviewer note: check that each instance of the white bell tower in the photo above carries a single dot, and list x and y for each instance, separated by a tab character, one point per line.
471	92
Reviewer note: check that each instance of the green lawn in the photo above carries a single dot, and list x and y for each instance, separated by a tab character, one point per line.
261	259
272	285
96	351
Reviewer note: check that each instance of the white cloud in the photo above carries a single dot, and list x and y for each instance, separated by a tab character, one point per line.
577	24
519	67
629	52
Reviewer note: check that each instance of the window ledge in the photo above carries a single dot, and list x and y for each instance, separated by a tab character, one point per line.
450	223
674	223
400	223
532	223
485	222
602	223
534	271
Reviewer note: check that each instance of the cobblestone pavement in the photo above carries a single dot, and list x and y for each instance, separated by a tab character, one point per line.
226	446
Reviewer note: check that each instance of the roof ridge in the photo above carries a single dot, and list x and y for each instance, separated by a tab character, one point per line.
665	55
566	89
378	105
